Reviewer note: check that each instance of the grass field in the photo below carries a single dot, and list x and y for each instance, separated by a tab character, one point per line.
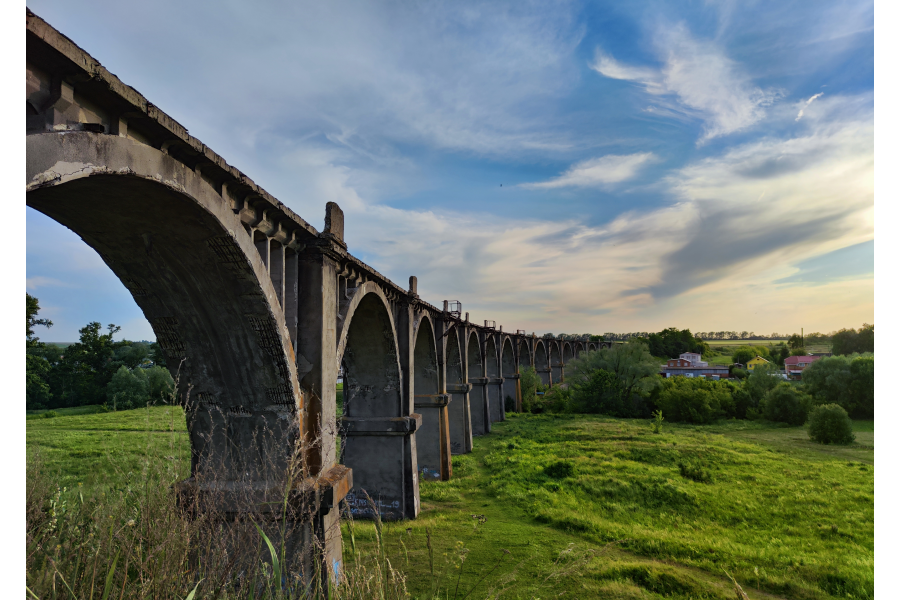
638	516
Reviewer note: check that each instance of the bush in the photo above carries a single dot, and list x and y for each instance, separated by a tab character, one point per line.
786	404
50	414
695	400
845	380
559	470
830	424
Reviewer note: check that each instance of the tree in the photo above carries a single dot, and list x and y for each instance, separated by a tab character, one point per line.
786	404
671	342
761	379
31	321
86	367
160	384
848	381
635	373
800	351
127	389
848	341
742	355
862	386
795	341
37	368
830	424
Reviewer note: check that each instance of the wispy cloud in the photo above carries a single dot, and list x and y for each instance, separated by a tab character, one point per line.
737	222
701	76
807	103
597	171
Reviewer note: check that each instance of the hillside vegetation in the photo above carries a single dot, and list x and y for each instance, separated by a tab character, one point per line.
585	506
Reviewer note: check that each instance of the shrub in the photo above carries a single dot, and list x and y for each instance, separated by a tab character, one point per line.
786	404
830	424
559	470
694	473
695	400
50	414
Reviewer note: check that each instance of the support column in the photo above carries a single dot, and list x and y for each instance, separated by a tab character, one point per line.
479	403
434	457
460	418
496	409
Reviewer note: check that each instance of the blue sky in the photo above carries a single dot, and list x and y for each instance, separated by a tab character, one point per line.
558	167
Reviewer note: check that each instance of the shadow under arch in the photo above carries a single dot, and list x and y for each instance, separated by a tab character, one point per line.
194	271
495	381
555	362
510	373
541	362
458	388
378	433
433	439
478	397
568	355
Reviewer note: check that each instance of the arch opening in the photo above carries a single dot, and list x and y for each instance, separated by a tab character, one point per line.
541	362
477	377
495	410
430	404
555	363
458	388
510	372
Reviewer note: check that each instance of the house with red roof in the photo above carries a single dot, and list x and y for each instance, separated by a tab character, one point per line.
794	365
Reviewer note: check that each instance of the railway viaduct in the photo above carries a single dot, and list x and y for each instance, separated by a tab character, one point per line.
256	312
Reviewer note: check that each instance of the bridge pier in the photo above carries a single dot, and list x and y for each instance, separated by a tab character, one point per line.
434	437
479	403
460	418
496	400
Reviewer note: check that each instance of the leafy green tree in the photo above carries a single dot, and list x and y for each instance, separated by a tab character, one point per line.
801	351
37	368
160	384
530	383
86	367
795	341
633	368
862	386
127	389
742	354
786	404
848	341
31	321
671	342
848	381
760	381
830	424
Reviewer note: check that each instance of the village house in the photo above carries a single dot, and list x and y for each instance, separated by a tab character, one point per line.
794	365
754	362
689	364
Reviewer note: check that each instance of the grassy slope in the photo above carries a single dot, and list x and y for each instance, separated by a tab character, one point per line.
766	517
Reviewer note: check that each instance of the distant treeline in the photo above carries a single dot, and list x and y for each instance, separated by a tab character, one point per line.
94	370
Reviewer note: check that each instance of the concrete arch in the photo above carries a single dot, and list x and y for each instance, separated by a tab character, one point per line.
432	458
542	361
458	388
495	410
555	362
175	243
592	346
510	373
478	398
579	348
379	434
526	357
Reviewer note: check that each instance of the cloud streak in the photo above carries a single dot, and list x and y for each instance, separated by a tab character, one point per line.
596	172
702	78
806	104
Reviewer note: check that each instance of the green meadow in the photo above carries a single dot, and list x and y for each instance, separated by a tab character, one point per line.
578	506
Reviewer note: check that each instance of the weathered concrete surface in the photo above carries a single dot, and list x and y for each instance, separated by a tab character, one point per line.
256	311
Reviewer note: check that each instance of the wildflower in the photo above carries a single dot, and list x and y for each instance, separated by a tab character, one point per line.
130	523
